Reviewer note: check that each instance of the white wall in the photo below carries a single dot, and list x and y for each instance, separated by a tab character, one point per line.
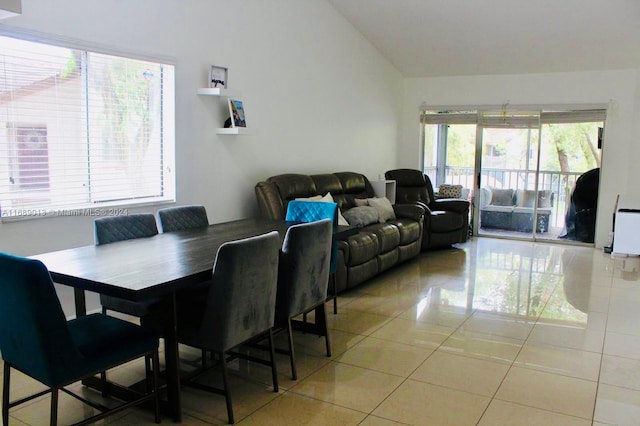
318	97
618	89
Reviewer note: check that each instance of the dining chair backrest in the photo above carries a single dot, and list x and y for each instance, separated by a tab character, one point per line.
180	218
119	228
34	337
309	211
303	273
242	294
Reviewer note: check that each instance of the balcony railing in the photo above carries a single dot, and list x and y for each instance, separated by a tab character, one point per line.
561	184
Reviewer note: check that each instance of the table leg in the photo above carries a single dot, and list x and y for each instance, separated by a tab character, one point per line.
172	361
80	301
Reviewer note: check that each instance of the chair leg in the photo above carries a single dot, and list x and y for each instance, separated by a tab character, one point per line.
54	407
103	383
274	368
156	385
225	382
203	355
332	284
325	326
5	393
292	354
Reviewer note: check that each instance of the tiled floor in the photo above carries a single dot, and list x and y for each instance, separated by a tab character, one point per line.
493	332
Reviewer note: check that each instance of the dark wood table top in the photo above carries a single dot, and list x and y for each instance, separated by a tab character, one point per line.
146	267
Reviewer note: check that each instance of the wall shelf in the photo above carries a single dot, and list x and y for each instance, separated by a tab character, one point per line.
223	93
232	131
217	91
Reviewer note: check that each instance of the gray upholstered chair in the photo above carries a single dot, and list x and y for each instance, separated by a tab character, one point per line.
119	228
37	340
180	218
303	275
239	305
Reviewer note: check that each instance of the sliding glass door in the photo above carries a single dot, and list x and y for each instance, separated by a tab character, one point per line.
507	198
522	170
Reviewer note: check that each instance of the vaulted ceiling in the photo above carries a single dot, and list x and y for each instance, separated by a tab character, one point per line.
427	38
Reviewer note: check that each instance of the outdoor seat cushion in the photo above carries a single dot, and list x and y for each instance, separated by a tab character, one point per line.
503	209
527	210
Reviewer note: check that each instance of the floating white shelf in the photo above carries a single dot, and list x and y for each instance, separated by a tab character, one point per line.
217	91
232	131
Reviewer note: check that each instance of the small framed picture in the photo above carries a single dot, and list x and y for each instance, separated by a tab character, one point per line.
236	111
218	77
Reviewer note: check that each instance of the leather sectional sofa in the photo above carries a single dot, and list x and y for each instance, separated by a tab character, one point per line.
375	248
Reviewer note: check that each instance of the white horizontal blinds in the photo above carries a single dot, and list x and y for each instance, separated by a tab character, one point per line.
583	116
78	129
509	119
505	118
125	138
41	163
449	117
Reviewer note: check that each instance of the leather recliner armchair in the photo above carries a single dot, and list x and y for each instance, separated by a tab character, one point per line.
446	220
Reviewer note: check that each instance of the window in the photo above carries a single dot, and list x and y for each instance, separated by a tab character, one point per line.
82	130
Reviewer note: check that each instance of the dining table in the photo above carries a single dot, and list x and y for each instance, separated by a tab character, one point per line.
155	267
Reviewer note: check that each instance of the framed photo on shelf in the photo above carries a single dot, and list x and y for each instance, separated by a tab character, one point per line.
218	77
236	111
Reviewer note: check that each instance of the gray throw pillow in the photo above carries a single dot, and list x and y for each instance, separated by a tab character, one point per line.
525	198
501	197
544	199
361	216
383	207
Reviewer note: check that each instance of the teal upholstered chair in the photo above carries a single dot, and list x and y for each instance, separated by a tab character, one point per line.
303	276
309	211
120	228
238	306
37	340
180	218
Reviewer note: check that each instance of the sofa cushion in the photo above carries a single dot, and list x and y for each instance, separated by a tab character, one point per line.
408	229
361	216
501	197
362	247
293	185
355	185
504	209
545	199
327	183
525	198
388	236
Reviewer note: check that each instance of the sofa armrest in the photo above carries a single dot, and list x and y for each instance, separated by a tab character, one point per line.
269	202
450	204
409	211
